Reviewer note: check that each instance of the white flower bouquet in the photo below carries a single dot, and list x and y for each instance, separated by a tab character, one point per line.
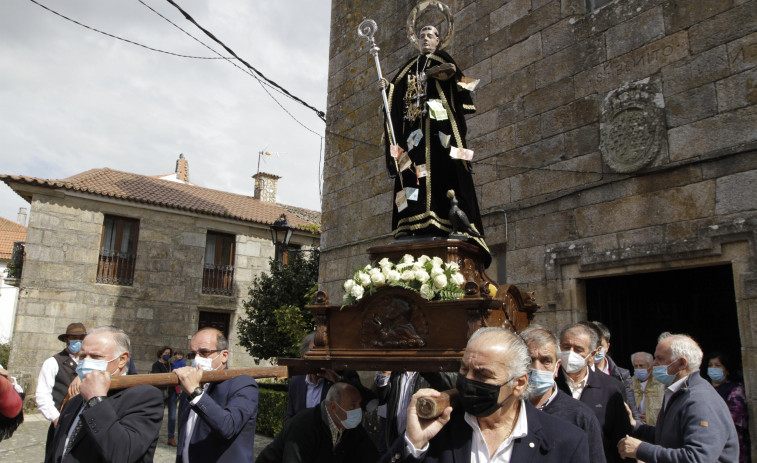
433	278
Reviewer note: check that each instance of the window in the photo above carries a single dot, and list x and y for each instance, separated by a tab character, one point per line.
284	254
118	251
218	272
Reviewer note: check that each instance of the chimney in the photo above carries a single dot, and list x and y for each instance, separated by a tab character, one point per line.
265	187
22	216
182	169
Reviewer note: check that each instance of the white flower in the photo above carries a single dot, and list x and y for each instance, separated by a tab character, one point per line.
378	278
386	270
408	259
422	276
437	261
423	259
436	271
440	281
367	268
384	262
452	266
426	292
408	275
364	278
401	267
348	285
458	279
417	266
393	276
357	292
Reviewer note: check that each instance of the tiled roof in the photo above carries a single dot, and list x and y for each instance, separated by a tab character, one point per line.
10	232
149	190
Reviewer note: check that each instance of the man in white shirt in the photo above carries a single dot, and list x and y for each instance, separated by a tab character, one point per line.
495	422
56	374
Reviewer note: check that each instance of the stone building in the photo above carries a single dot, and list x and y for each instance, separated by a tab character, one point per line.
157	257
614	159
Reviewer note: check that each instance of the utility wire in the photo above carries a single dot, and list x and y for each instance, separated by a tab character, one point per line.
189	18
121	38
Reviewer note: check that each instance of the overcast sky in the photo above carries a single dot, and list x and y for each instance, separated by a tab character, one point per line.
72	99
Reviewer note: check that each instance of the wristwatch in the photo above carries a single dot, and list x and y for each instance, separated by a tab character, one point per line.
94	401
196	393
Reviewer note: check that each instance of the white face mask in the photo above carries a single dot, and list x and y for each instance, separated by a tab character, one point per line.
88	365
572	362
205	364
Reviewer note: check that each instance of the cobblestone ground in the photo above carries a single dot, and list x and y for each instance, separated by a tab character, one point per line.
28	443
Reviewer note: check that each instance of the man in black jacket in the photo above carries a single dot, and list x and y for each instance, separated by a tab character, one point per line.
330	432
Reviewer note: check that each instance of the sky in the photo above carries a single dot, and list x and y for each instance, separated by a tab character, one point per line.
72	99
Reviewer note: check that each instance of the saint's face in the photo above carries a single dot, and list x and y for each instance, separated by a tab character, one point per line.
429	39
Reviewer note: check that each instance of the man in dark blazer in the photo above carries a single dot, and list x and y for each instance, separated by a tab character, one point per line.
493	384
602	393
216	420
101	426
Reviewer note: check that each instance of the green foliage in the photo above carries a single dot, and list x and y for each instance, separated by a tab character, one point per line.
275	318
272	408
5	352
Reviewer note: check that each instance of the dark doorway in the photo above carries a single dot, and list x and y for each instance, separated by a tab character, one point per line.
218	320
637	308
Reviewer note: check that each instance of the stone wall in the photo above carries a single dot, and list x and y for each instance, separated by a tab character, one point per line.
163	304
608	142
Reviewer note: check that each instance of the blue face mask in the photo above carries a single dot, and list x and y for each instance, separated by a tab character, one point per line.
74	346
166	357
641	375
599	356
354	417
88	365
541	380
716	374
660	373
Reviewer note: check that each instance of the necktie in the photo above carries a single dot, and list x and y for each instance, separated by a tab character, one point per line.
71	440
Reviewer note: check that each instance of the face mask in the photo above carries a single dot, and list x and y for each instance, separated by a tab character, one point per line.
716	374
599	356
660	373
166	357
74	346
479	399
88	365
572	362
641	375
354	417
206	364
541	380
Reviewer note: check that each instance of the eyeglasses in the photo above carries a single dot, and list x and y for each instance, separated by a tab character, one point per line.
202	353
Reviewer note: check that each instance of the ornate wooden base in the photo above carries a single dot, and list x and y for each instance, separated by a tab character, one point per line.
396	329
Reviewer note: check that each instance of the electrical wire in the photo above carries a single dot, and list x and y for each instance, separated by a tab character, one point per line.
121	38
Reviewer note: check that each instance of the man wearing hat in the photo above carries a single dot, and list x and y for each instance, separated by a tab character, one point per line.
56	374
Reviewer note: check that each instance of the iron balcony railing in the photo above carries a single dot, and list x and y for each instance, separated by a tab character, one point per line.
217	279
116	268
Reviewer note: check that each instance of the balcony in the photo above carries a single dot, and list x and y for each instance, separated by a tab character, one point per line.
16	265
217	279
116	268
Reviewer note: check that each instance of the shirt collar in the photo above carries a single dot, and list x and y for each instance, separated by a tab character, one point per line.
673	388
307	381
336	433
551	398
520	429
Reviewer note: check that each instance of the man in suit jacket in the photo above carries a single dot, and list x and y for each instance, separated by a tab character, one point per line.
693	424
102	426
217	420
493	385
602	393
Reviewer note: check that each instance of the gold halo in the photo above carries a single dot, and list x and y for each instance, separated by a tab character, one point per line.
415	15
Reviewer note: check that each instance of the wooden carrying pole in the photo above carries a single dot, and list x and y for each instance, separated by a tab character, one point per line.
170	379
431	407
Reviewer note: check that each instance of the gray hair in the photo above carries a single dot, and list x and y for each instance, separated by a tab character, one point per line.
335	392
682	346
539	336
649	358
663	335
583	329
518	362
120	338
305	344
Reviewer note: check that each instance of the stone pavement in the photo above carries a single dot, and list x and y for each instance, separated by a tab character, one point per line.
28	442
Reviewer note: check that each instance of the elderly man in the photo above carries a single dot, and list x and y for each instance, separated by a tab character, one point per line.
216	420
55	376
603	394
542	345
495	422
648	392
330	432
693	424
99	425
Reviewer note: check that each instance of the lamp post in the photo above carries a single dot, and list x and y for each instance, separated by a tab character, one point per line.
281	232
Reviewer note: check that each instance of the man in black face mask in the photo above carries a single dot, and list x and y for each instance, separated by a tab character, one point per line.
495	423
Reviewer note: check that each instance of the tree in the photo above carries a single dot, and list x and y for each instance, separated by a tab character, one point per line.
275	316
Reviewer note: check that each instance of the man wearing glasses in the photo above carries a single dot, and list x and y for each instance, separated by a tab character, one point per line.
216	420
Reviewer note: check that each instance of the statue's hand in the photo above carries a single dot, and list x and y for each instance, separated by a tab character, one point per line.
442	71
383	83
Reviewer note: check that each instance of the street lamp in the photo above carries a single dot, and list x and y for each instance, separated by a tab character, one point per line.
281	232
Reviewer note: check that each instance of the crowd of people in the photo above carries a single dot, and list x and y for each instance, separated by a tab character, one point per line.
536	396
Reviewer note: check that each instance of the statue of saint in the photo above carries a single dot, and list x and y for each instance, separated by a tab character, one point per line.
428	99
